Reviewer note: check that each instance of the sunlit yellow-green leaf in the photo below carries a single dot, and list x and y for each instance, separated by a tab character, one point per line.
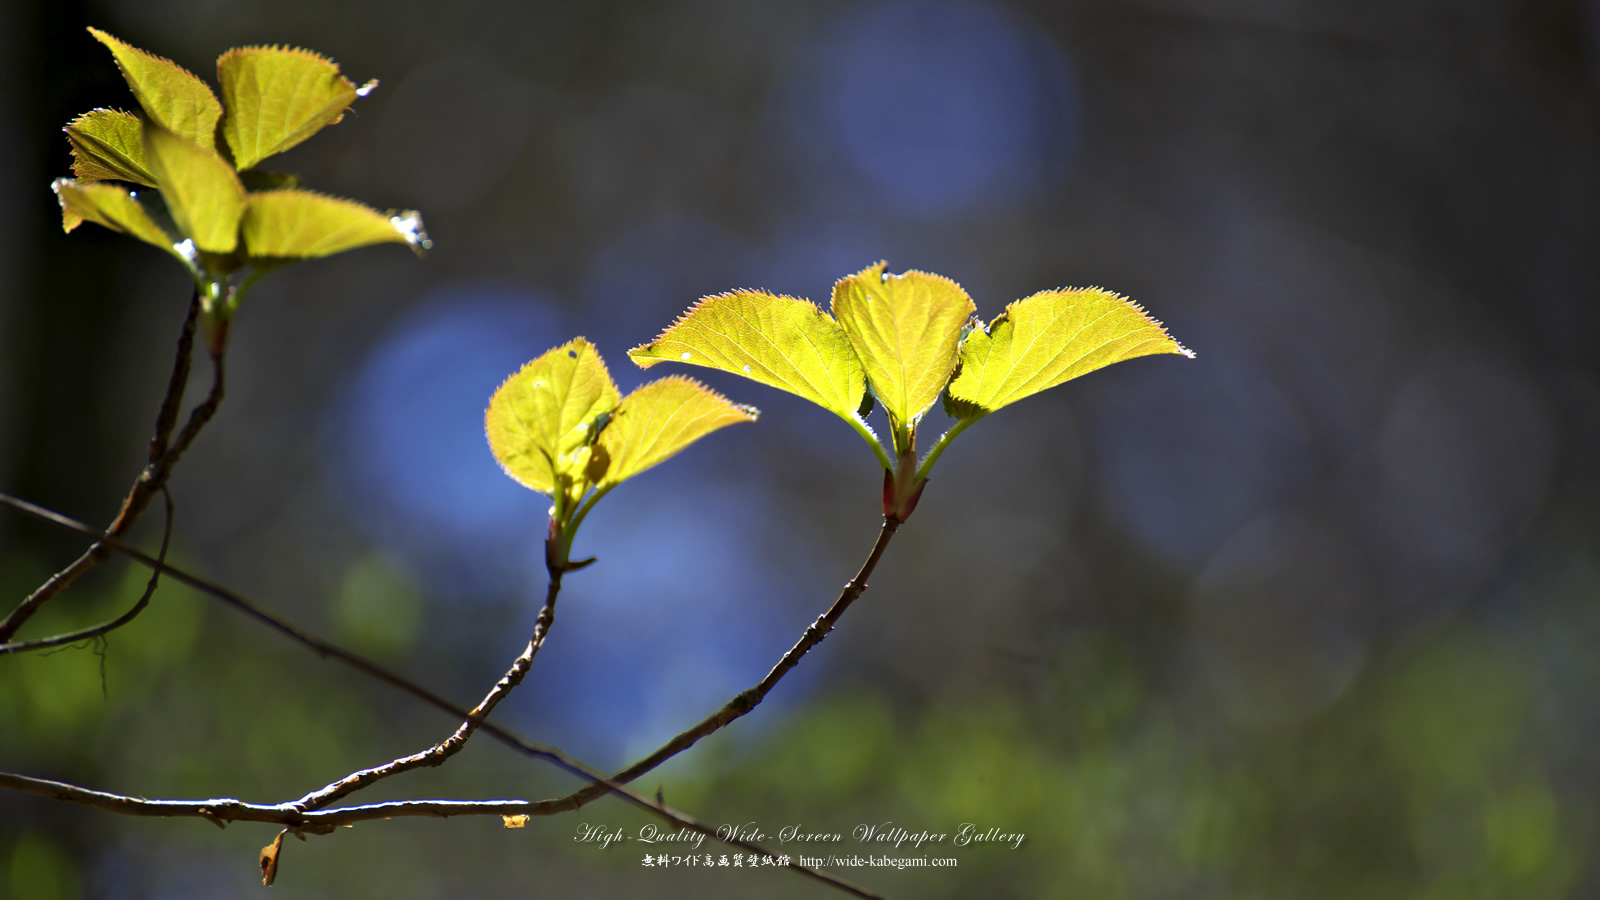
539	421
108	145
112	206
779	341
202	191
296	224
655	422
905	329
171	95
1050	337
277	97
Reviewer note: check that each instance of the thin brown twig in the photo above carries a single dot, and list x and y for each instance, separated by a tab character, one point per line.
152	479
221	811
104	628
167	416
198	417
450	746
747	700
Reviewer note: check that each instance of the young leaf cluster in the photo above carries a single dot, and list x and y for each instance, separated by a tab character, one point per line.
182	174
561	427
903	341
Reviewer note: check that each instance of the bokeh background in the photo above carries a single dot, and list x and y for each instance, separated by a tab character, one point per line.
1315	615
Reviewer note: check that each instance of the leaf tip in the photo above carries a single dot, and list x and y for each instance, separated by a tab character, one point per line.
1174	346
749	412
878	270
408	222
69	219
642	357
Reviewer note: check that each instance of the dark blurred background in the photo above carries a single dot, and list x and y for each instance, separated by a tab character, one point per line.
1314	615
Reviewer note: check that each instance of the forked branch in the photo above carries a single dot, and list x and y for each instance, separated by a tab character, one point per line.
289	815
220	811
750	698
104	628
438	753
163	455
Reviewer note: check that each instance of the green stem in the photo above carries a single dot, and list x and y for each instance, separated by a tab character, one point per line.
872	441
938	448
583	511
237	295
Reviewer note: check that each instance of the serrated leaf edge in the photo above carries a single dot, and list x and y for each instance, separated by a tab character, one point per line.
648	361
953	403
400	219
1129	301
749	413
881	269
105	36
81	135
277	48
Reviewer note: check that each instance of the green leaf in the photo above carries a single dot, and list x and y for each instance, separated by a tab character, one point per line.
202	191
277	97
538	422
297	224
1050	337
780	341
112	206
108	144
905	329
171	96
261	180
655	422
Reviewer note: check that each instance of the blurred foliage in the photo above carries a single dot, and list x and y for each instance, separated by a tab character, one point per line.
1418	784
378	611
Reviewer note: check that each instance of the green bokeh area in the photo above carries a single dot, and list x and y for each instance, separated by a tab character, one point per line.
1429	778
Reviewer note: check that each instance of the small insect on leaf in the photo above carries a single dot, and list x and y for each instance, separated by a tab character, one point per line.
539	421
598	425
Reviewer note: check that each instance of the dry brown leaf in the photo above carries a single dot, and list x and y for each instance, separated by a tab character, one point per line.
269	859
